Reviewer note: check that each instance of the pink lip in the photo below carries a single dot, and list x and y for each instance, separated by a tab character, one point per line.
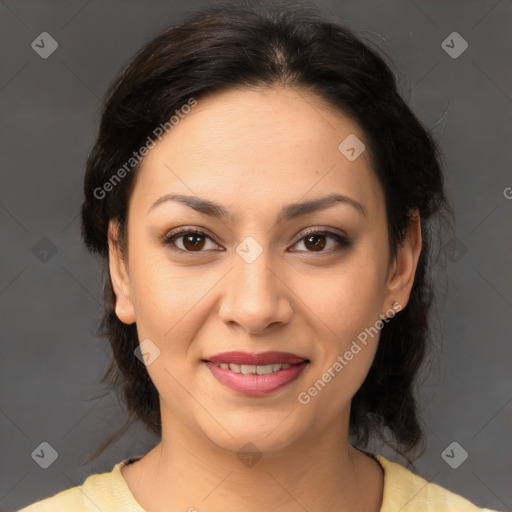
256	385
238	357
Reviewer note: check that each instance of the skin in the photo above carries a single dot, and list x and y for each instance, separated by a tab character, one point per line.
254	152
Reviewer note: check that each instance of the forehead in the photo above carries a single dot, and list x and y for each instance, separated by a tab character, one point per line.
258	147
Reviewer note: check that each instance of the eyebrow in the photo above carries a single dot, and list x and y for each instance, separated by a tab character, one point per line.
288	213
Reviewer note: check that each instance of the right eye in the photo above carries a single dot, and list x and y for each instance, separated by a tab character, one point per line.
192	240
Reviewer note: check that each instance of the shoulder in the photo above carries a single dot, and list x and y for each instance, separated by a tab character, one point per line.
408	492
106	491
69	499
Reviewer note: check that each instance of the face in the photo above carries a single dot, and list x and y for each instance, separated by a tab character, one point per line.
262	276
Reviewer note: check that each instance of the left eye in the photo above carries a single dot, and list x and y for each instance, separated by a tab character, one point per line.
195	241
316	239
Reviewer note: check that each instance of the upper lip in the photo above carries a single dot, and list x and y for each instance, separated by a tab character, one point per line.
252	358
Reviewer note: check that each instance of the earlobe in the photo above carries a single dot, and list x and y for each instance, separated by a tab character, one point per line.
119	277
405	263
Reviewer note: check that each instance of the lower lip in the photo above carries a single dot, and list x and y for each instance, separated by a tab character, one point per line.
256	385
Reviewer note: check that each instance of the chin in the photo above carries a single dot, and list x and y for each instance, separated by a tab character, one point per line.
255	436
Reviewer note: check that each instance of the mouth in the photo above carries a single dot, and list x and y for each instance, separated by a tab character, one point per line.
256	374
261	359
254	369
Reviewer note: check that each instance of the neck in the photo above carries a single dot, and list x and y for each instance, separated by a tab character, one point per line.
318	472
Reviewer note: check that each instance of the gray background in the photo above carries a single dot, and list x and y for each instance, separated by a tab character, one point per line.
51	362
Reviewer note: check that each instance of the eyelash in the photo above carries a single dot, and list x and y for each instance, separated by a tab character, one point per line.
181	232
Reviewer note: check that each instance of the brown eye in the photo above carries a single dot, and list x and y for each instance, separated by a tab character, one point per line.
189	240
316	241
193	242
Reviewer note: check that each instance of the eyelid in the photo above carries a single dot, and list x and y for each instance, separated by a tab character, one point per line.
323	230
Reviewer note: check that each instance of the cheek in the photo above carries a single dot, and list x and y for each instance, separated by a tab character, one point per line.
161	293
171	304
348	327
346	350
351	300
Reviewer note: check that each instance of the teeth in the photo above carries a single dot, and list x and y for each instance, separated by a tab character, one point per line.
248	368
251	369
264	369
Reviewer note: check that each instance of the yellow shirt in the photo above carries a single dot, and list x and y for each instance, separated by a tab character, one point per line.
403	491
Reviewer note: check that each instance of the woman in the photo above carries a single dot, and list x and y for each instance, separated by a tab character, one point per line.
263	200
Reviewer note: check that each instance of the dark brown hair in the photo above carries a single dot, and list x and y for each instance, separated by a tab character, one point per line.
228	46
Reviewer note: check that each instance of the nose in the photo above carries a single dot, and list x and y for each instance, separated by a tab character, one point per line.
256	297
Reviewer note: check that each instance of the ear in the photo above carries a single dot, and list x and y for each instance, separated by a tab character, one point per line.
403	268
119	276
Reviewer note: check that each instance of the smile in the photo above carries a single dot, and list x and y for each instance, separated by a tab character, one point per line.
251	369
256	380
